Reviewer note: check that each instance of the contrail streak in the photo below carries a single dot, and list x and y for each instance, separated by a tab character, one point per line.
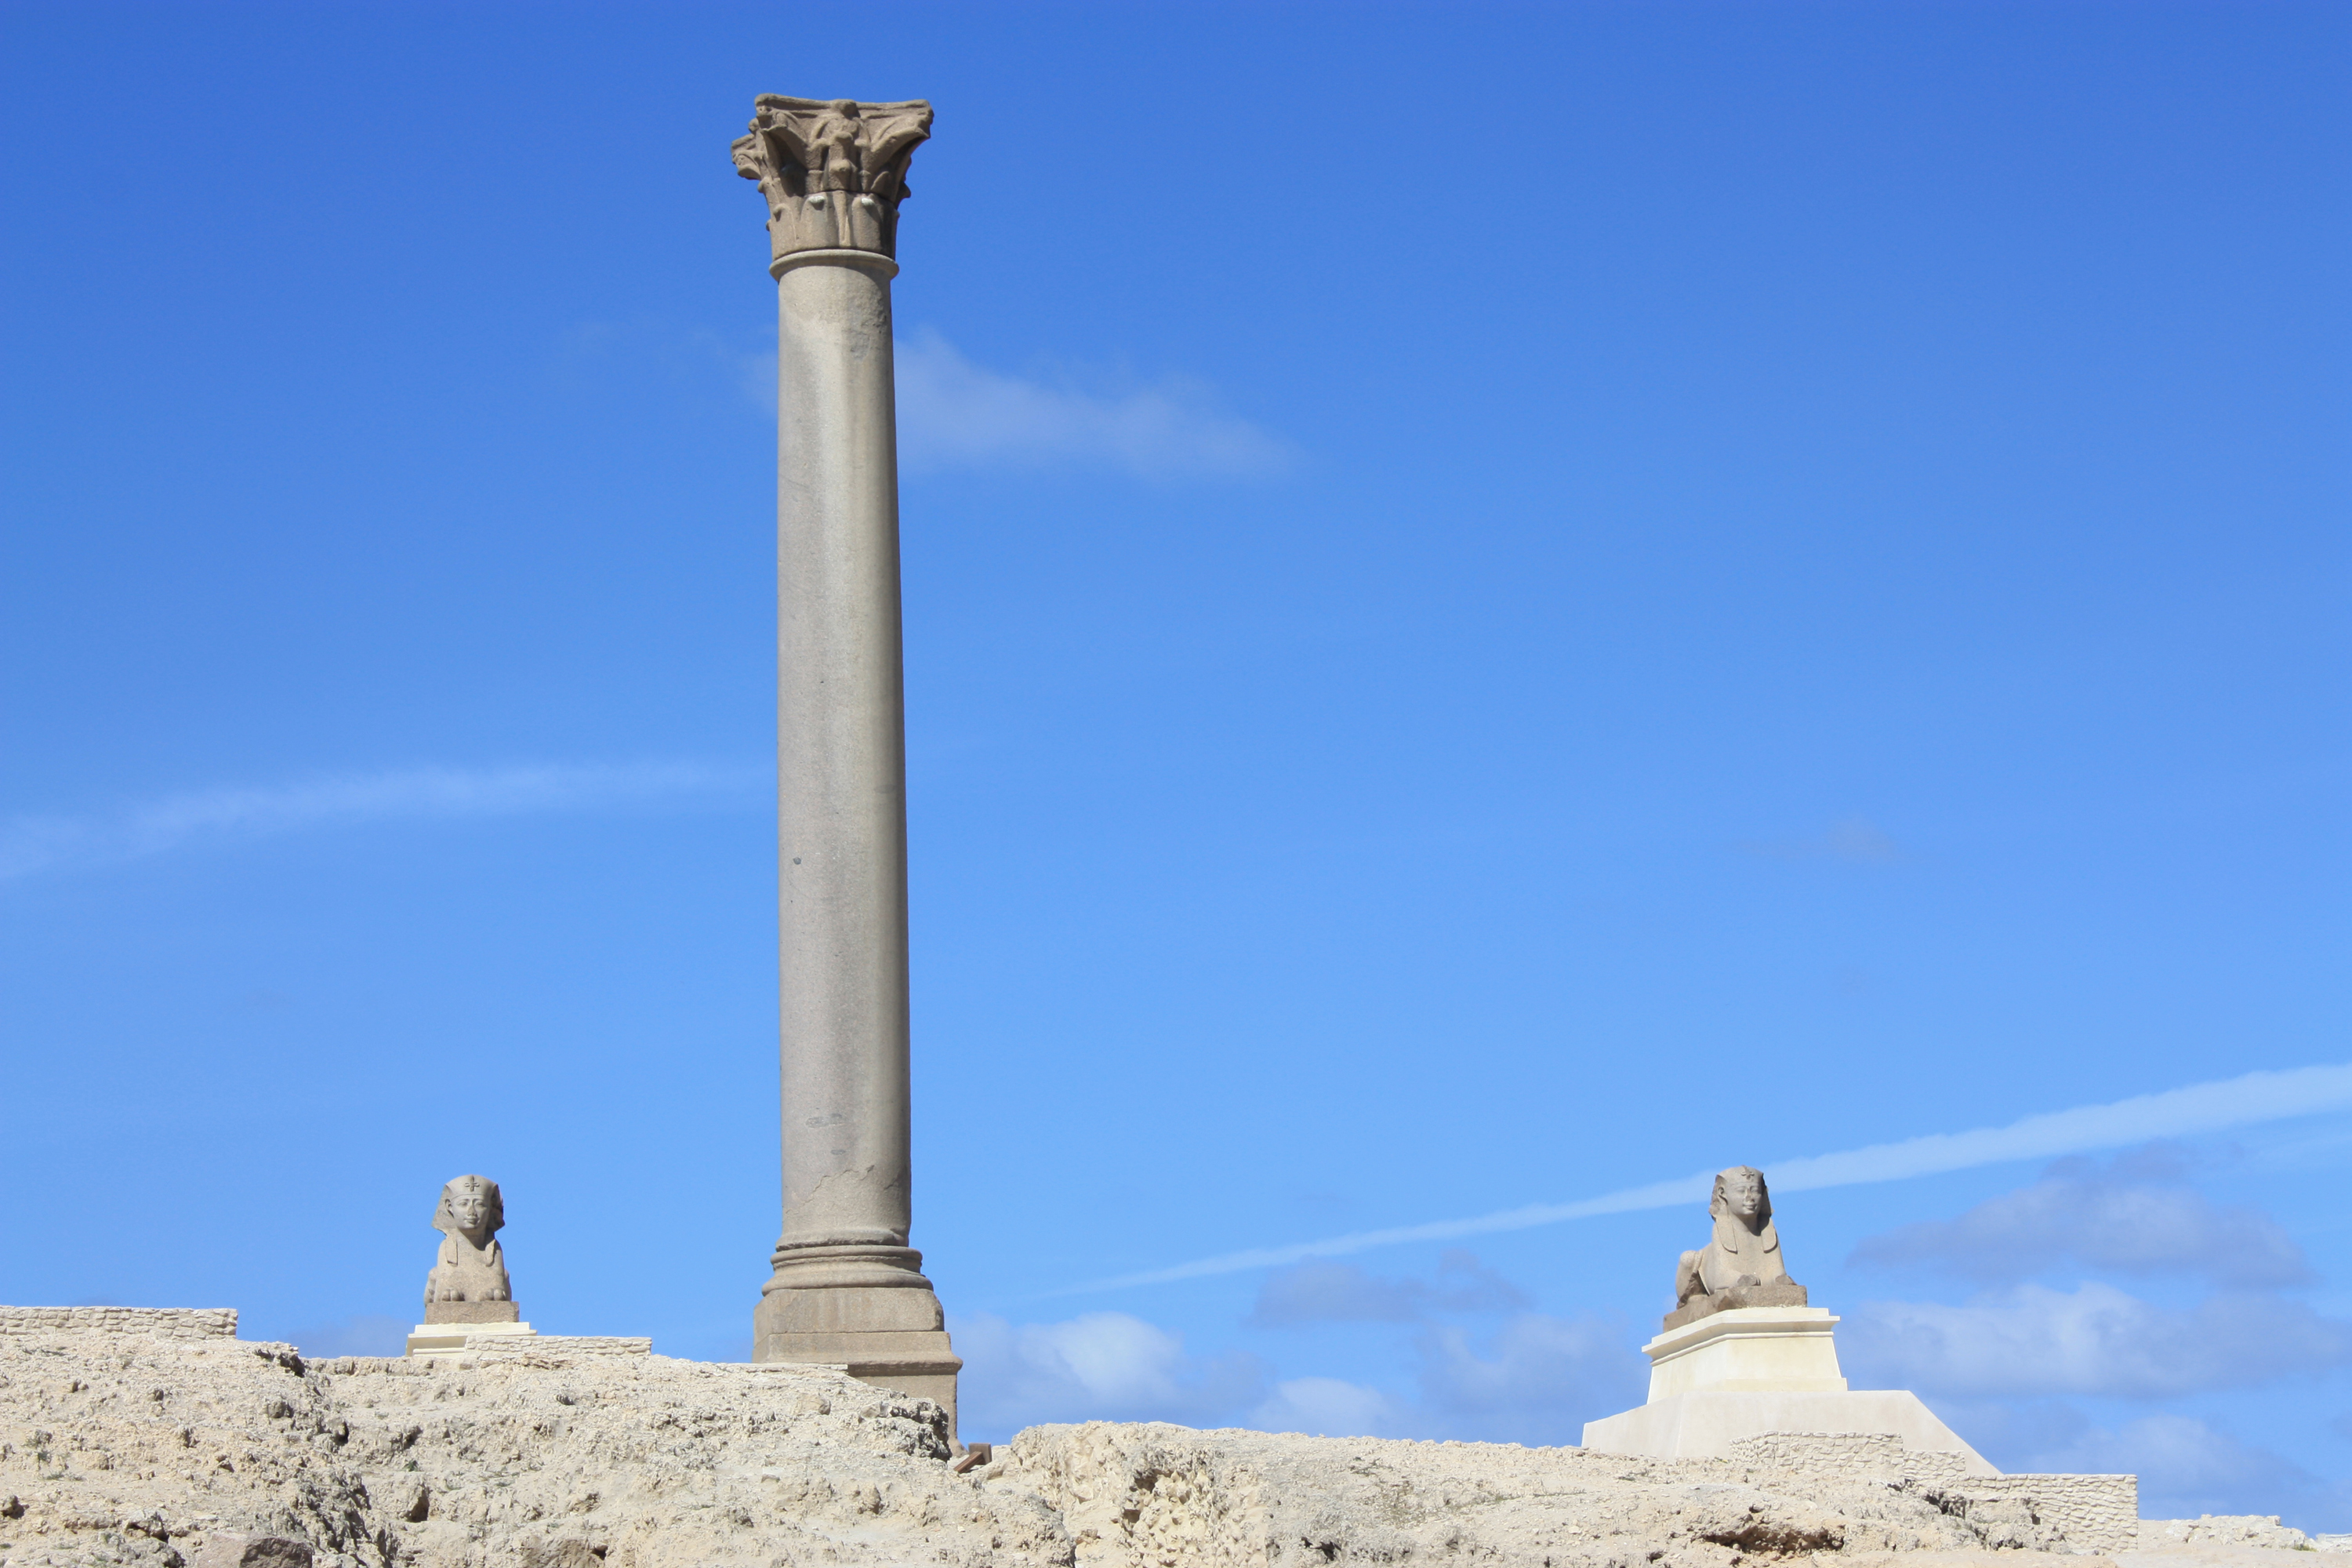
2244	1101
30	844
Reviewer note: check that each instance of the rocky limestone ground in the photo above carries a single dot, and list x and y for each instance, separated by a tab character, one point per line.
142	1448
1150	1496
192	1449
1139	1494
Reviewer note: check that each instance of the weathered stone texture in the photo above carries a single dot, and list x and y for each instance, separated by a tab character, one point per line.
1841	1456
1139	1494
2048	1513
120	1444
2076	1513
163	1323
1785	1293
472	1313
564	1345
139	1447
2229	1529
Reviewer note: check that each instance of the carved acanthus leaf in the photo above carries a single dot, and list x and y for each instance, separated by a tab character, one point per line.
833	171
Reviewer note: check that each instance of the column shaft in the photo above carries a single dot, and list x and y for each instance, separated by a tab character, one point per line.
841	759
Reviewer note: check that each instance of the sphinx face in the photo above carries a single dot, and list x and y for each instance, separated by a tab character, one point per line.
1744	1196
470	1207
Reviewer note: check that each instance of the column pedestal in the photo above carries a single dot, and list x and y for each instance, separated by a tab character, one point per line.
867	1308
892	1336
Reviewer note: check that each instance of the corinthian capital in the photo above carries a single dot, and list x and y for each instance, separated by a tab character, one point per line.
834	171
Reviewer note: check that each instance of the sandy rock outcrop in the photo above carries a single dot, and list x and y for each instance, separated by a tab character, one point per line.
2223	1529
124	1446
1150	1496
161	1438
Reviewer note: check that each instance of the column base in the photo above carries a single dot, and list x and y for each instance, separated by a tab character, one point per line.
820	1309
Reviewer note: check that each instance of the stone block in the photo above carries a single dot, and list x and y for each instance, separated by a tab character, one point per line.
228	1549
448	1338
891	1337
1747	1350
558	1346
472	1313
1781	1293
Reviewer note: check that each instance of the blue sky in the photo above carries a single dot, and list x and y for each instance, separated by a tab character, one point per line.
1503	605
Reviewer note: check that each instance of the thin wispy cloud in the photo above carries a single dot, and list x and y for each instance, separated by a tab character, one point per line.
2257	1097
1539	1379
1528	1377
2186	1467
2097	1218
1095	1365
955	414
1321	1291
2091	1340
1854	840
30	844
1329	1408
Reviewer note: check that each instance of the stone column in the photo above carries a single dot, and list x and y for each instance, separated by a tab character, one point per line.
847	1288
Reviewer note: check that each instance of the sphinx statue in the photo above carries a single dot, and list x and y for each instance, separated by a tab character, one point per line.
1744	1356
1740	1266
468	1283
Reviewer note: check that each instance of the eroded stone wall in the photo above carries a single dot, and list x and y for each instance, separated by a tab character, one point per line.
167	1322
2076	1513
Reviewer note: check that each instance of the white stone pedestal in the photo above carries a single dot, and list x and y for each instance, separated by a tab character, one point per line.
1747	1350
448	1338
1752	1371
1705	1425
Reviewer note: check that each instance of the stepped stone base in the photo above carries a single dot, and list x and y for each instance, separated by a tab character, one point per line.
1707	1426
892	1337
1749	1372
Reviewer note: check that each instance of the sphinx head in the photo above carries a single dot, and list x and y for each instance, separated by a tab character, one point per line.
1739	1193
470	1206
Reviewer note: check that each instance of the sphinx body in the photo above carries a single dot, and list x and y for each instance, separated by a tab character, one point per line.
1741	1265
468	1283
